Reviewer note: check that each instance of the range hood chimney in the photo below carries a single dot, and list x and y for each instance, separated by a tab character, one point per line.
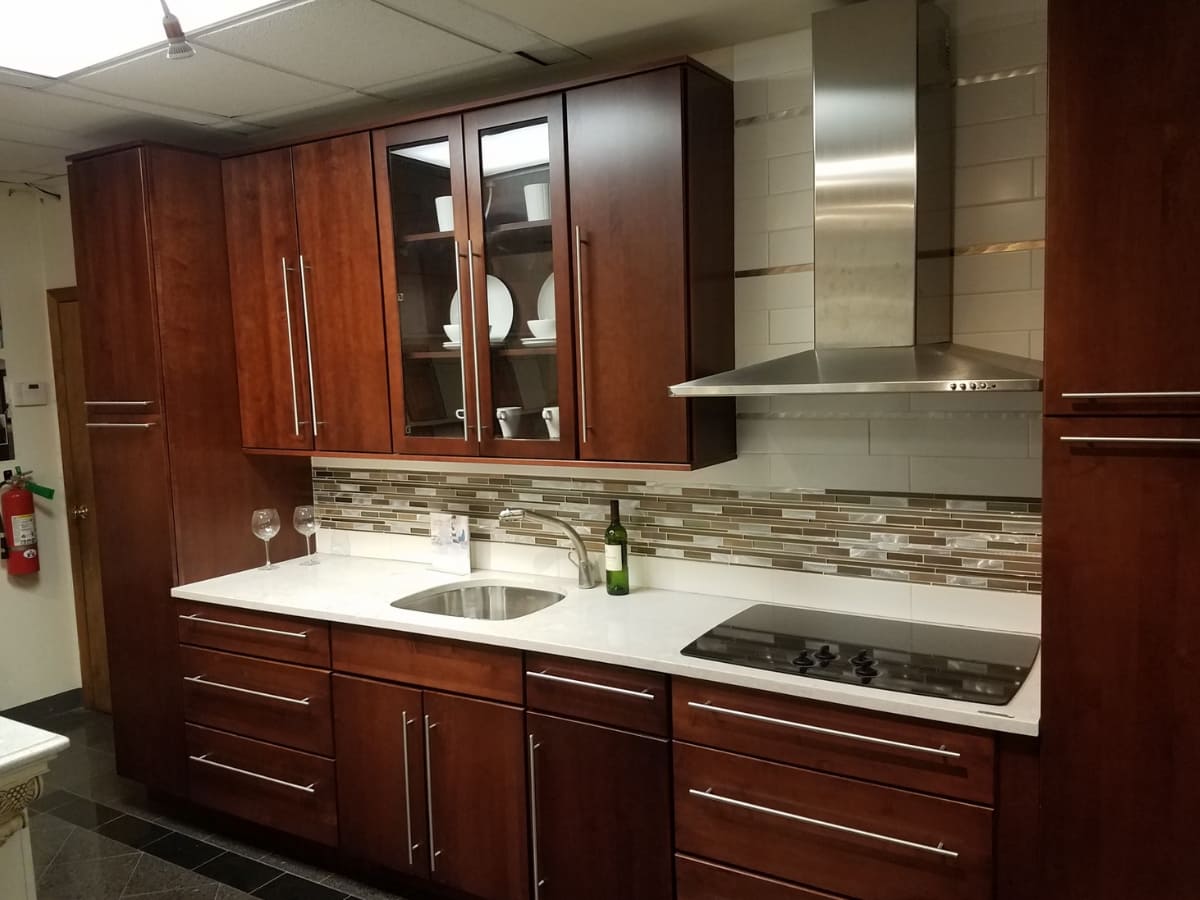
883	131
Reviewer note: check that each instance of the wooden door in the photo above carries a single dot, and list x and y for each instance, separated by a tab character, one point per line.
378	730
112	262
1122	272
66	343
476	796
625	157
421	188
133	518
340	294
1120	726
600	802
520	272
264	251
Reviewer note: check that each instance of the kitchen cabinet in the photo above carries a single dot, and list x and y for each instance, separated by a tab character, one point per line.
305	289
148	228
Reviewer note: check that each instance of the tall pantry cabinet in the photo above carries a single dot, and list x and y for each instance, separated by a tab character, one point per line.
174	490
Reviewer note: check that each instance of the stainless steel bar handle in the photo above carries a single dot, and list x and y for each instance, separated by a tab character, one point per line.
474	336
583	417
312	381
1097	439
561	679
817	729
821	823
200	679
462	351
405	721
118	402
434	853
306	788
533	819
1132	395
287	317
196	617
142	425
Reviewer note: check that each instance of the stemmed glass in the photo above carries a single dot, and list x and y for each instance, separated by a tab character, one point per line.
304	520
265	525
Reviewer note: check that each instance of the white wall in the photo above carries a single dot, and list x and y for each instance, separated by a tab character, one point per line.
39	653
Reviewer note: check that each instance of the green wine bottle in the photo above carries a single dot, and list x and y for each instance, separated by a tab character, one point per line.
616	554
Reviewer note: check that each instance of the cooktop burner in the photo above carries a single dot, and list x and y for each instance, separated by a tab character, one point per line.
892	654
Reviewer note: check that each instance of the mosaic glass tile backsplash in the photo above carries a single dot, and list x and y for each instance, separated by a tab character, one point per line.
969	542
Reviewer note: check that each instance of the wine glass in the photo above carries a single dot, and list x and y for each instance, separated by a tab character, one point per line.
304	520
265	525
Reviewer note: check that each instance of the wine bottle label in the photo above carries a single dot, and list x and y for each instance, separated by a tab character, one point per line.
613	557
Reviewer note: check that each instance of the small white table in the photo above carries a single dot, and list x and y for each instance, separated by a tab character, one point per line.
25	754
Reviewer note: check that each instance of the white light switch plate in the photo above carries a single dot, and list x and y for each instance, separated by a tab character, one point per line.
30	393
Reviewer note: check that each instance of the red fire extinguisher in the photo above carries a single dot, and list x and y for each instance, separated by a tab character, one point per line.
20	526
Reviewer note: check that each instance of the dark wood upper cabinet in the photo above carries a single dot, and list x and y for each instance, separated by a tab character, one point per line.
601	811
304	276
651	162
1122	272
1120	726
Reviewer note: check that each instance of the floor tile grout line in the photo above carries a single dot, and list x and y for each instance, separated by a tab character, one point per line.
58	852
132	871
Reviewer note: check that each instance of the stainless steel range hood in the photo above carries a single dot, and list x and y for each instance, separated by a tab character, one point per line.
883	129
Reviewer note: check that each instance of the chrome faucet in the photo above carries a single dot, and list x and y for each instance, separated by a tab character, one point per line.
587	577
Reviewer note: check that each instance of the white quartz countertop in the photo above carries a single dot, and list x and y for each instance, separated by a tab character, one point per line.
646	629
22	746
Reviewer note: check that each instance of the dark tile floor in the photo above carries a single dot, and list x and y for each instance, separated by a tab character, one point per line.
96	836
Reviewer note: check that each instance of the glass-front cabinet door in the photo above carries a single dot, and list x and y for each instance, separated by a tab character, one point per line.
423	229
520	275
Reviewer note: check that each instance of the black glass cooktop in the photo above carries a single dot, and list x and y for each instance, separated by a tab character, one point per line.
891	654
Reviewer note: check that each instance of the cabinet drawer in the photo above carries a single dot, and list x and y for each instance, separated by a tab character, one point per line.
254	633
937	759
460	668
698	879
272	701
833	833
610	695
282	789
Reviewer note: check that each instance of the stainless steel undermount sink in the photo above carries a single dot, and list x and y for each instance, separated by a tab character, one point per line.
480	601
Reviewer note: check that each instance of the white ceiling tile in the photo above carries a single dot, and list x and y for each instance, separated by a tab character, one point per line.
349	100
373	43
209	81
23	79
49	110
457	76
469	21
16	156
147	110
32	134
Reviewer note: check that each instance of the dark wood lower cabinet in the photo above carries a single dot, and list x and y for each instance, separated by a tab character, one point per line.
601	811
699	879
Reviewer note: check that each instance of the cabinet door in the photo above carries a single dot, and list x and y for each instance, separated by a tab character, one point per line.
423	246
1121	223
600	802
133	519
1120	729
340	294
260	229
112	248
627	207
475	776
520	279
380	773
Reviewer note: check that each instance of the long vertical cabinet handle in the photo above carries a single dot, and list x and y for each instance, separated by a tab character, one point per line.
312	382
579	331
405	721
474	336
538	881
287	317
434	853
462	351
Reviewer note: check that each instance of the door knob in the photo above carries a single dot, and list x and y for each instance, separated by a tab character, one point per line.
79	512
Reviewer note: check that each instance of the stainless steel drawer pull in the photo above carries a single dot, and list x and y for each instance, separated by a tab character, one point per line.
404	722
299	635
940	850
474	338
118	402
200	679
287	318
535	855
817	729
312	378
142	425
434	853
462	351
1096	439
624	692
1130	395
306	788
583	412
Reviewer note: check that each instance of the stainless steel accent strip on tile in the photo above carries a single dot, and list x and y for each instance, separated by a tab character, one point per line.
773	270
1001	75
794	112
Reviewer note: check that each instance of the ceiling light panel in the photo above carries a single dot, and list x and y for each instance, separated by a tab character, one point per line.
56	37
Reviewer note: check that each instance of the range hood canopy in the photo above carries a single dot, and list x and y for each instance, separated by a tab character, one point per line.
883	133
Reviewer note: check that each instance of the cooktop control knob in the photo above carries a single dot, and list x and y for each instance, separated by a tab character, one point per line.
804	660
825	656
